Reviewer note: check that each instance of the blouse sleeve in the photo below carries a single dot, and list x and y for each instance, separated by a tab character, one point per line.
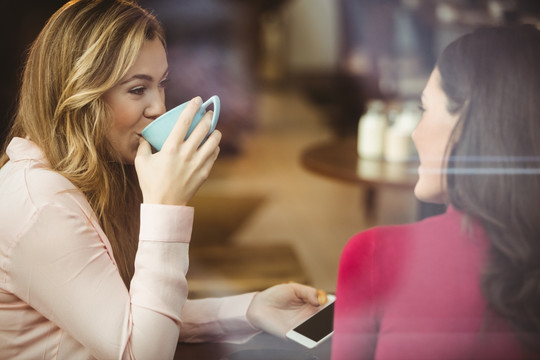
60	266
217	320
355	321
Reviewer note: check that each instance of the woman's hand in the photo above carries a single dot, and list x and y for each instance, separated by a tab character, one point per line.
280	308
173	175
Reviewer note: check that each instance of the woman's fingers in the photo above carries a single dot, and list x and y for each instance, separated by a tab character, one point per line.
309	294
181	127
209	152
201	131
211	142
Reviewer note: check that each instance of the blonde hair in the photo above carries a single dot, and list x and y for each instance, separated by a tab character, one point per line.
85	48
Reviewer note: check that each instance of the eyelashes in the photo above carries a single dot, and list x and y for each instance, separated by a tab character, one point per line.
163	83
140	90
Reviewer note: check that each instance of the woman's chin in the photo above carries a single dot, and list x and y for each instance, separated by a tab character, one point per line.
429	193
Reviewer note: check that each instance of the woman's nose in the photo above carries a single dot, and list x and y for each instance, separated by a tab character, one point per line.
155	108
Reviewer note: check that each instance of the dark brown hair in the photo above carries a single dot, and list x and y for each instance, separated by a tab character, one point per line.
492	79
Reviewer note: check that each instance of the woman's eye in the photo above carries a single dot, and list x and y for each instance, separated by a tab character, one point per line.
421	108
163	83
139	90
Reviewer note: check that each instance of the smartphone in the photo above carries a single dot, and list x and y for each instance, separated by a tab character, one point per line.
317	328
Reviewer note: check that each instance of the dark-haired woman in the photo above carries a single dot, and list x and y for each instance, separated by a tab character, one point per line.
465	284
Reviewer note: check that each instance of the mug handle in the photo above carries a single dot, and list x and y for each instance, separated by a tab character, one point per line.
216	102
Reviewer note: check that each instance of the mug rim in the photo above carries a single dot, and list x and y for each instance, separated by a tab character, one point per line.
215	101
154	136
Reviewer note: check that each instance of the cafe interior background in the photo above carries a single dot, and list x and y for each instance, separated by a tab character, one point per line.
291	75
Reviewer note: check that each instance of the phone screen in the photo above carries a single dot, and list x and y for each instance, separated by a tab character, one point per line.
319	325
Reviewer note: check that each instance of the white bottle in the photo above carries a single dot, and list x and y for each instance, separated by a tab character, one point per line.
371	131
398	145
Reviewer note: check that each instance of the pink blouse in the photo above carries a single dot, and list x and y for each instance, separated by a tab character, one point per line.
61	295
413	292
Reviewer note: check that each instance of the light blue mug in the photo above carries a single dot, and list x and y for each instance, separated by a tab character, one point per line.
158	130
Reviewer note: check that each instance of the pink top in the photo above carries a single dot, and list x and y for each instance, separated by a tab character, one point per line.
61	295
413	292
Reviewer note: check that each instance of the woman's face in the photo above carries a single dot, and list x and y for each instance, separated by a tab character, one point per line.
137	99
431	137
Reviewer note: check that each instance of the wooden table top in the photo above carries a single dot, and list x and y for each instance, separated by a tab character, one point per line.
338	159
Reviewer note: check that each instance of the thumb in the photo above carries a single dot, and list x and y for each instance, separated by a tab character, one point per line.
143	151
310	295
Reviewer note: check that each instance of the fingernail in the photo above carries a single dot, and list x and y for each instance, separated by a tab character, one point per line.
197	100
321	297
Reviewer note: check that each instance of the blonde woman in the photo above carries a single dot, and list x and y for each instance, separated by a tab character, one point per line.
86	270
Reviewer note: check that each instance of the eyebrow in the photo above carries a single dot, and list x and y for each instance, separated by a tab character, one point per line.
143	77
135	77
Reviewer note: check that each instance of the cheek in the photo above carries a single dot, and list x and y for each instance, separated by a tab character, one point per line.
125	113
430	138
121	134
123	119
423	139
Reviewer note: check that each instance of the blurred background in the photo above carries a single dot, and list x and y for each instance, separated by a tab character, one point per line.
291	74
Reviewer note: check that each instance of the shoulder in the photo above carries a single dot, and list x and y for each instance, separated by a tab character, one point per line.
29	189
387	238
41	214
377	241
367	251
386	249
29	177
43	186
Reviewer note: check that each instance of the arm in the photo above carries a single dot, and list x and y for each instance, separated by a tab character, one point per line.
355	321
217	320
237	318
60	266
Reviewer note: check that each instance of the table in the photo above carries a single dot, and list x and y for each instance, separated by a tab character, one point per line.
261	347
338	159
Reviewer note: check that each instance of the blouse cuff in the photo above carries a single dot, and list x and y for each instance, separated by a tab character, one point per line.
166	223
233	317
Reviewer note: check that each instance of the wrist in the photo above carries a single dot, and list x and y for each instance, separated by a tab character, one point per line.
160	200
251	312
